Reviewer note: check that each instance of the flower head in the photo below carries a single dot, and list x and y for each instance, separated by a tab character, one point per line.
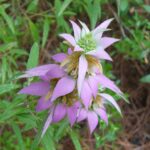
71	86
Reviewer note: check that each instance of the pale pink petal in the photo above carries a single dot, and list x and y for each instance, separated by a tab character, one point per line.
59	112
103	25
69	38
92	121
111	100
43	104
86	94
85	29
77	30
83	65
64	86
100	54
38	71
93	83
107	41
59	57
54	73
82	115
107	83
48	122
37	88
102	113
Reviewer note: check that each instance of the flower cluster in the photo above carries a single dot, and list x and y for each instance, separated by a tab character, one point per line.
71	86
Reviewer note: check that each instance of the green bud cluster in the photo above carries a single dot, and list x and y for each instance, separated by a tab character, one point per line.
87	42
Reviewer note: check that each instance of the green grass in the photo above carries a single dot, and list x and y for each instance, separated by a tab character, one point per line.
28	31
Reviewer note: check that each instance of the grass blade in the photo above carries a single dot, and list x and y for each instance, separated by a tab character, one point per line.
34	56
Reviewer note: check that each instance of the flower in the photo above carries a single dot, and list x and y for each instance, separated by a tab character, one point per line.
93	75
87	45
86	40
52	85
70	86
59	111
96	109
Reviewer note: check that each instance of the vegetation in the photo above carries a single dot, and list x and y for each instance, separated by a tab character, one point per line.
29	36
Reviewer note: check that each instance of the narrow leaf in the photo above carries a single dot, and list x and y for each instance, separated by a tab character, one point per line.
19	136
33	57
75	140
46	29
34	31
64	6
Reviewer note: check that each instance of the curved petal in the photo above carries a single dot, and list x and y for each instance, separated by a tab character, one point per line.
76	30
103	25
85	29
43	104
72	114
69	38
48	122
38	71
102	113
93	83
83	65
64	86
107	83
59	57
111	100
56	72
82	115
92	121
36	88
107	41
59	112
100	54
86	94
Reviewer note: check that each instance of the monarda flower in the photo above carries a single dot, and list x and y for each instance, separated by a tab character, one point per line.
88	77
88	47
71	86
97	108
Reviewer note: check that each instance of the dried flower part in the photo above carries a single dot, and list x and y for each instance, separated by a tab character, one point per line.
70	98
71	64
98	102
52	86
93	63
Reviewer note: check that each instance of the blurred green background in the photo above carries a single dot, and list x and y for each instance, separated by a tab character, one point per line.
29	32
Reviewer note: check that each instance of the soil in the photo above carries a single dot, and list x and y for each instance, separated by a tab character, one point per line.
136	120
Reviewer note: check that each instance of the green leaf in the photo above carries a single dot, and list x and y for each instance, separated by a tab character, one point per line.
124	5
7	46
48	141
33	56
75	140
46	29
145	79
95	8
147	8
64	6
32	7
60	132
4	68
8	19
4	88
19	136
34	31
